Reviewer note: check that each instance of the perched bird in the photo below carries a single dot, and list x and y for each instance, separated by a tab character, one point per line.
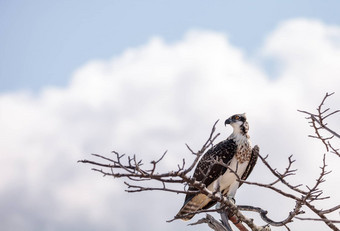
236	153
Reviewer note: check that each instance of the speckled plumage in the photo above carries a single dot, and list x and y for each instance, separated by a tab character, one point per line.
236	152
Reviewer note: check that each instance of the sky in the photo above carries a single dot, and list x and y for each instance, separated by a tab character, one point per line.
142	77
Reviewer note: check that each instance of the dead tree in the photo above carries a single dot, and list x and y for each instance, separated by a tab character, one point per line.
137	174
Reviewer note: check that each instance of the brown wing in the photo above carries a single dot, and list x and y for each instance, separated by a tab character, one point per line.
254	155
206	171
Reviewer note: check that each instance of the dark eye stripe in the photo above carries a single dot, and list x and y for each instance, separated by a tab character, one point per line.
241	118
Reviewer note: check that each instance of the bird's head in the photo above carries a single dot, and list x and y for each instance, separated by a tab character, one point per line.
239	123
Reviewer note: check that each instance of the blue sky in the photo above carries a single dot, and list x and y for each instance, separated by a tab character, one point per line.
43	42
142	77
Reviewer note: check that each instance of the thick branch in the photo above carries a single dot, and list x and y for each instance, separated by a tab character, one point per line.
137	175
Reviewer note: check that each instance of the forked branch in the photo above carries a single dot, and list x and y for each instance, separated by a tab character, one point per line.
137	174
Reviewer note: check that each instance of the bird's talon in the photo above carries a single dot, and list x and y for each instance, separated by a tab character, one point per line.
231	199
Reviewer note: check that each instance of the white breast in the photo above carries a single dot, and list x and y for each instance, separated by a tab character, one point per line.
228	181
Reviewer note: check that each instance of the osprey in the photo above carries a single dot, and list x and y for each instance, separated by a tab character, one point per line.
236	153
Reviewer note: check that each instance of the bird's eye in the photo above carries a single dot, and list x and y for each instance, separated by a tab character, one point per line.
237	117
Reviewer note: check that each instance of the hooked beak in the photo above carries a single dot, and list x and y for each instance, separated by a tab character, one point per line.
228	121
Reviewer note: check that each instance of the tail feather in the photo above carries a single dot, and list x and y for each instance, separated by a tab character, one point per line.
190	207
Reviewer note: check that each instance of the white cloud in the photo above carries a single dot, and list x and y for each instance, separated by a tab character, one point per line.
155	98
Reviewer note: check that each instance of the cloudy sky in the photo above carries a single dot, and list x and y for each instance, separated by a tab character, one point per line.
82	77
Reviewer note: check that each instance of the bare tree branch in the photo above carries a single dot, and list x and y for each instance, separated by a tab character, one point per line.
212	223
138	174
